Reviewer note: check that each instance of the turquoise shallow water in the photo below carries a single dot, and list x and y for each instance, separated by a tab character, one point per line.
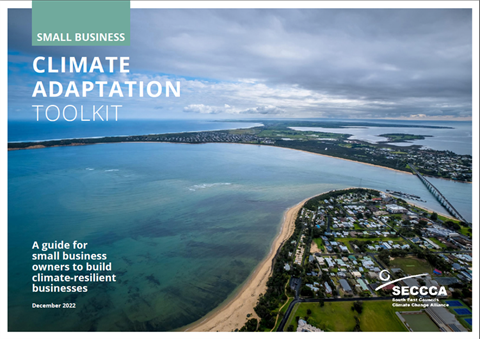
183	225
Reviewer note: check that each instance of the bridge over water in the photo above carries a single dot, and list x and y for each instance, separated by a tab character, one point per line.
437	194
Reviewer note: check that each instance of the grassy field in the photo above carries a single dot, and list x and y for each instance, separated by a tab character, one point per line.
319	243
377	316
421	322
438	242
411	265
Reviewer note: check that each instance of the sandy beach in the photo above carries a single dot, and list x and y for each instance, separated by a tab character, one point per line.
233	315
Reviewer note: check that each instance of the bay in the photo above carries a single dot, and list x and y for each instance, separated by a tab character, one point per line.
456	138
183	225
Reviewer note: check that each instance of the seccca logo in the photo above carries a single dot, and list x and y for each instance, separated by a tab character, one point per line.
410	290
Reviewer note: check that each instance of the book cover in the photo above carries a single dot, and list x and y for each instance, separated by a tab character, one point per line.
241	167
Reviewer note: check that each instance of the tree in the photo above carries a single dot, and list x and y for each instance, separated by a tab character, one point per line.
290	328
384	256
434	216
250	325
358	306
309	311
322	302
357	325
450	224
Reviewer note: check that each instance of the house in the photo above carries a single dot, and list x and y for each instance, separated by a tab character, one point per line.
367	263
456	266
345	286
329	262
313	288
466	275
386	246
389	287
362	284
328	289
287	267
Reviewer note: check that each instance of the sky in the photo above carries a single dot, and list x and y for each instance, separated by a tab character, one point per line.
264	63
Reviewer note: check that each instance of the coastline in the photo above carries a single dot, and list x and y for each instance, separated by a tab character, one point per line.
233	315
232	143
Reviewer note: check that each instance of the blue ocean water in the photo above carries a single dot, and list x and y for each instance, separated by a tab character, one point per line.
20	130
183	225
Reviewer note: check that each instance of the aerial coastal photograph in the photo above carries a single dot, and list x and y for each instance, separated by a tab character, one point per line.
245	170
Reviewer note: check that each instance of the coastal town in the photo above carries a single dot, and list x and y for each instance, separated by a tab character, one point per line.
344	243
435	163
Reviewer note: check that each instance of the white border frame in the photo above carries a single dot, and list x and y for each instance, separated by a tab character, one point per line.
474	5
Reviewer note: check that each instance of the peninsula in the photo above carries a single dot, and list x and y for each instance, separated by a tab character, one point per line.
333	247
441	164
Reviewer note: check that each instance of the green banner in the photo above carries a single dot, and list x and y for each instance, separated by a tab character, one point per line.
80	23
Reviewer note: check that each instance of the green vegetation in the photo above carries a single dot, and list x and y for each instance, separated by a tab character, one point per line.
281	313
250	325
279	133
375	316
438	242
456	225
319	243
411	265
400	137
420	322
270	302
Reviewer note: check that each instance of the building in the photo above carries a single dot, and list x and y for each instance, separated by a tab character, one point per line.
362	284
395	209
328	289
345	286
303	326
